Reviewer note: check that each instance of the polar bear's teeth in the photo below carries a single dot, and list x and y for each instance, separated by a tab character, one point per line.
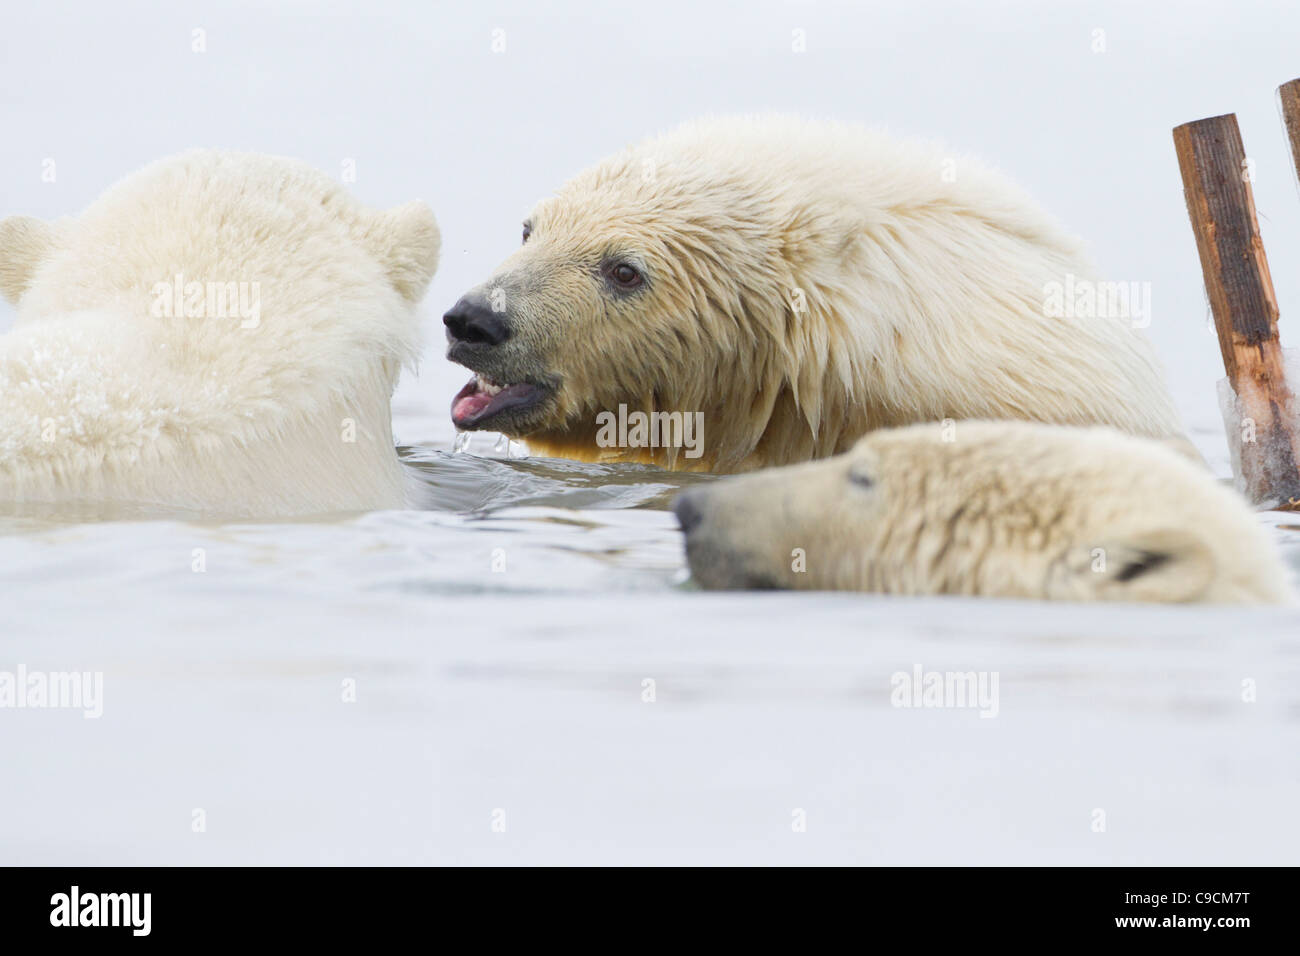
487	387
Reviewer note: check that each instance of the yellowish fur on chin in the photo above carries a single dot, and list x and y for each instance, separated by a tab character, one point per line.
590	452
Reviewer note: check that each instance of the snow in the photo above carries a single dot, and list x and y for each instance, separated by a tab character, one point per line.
522	690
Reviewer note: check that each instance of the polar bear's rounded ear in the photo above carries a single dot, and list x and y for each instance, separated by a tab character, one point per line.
407	241
1172	566
25	243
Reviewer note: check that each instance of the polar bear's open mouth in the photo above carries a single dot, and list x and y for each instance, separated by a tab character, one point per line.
482	400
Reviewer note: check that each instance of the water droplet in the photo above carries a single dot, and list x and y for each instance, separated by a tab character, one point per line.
462	442
502	446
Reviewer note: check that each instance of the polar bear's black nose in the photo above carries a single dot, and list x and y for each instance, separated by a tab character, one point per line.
688	510
471	320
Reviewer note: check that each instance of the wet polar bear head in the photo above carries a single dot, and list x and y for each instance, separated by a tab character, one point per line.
219	332
987	508
789	285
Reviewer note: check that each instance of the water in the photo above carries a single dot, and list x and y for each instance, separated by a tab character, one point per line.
498	645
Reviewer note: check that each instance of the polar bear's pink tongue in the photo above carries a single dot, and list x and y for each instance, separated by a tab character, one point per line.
471	406
479	399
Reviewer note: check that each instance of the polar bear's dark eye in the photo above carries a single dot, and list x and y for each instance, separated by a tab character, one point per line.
861	479
624	276
528	231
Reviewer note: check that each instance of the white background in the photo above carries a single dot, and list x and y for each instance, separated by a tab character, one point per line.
414	94
523	691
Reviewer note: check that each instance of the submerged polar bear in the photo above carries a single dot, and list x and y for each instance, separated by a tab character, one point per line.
790	286
219	332
999	509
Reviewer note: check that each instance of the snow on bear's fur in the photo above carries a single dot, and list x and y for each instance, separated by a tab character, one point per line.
219	332
795	284
998	509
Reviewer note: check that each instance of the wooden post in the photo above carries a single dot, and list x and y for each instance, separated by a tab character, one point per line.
1290	96
1221	205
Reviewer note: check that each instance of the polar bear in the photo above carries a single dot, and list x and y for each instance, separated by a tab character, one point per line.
786	286
219	333
999	509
